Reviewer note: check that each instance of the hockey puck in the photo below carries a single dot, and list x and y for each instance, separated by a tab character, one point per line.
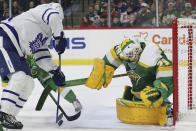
60	122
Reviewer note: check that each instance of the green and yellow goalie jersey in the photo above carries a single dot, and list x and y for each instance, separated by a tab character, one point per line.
151	77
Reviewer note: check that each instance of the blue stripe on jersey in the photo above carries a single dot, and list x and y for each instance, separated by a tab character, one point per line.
13	31
49	16
7	99
3	66
14	93
39	50
43	57
45	13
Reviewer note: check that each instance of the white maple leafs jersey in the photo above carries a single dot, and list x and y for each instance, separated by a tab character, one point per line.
31	31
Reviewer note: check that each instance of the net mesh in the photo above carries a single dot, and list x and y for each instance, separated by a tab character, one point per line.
187	69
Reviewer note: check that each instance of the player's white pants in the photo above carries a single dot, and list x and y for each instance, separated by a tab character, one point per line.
15	95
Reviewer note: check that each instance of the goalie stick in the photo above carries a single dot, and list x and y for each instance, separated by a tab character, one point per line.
69	83
82	81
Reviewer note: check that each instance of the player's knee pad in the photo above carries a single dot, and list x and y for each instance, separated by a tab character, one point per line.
21	84
16	93
28	87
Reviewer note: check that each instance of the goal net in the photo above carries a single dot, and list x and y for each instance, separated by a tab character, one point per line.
184	69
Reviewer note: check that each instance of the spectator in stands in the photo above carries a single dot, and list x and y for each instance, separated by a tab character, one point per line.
170	14
92	14
116	22
193	2
87	23
123	6
31	4
144	15
97	7
132	21
103	7
5	5
113	11
124	16
180	5
5	15
188	11
43	2
4	9
102	23
15	8
1	8
161	14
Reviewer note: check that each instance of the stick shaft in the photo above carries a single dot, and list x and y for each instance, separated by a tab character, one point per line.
58	99
82	81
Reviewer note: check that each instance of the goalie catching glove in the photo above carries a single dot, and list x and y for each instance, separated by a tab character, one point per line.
100	76
153	96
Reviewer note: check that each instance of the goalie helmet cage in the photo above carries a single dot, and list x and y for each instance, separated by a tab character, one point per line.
184	69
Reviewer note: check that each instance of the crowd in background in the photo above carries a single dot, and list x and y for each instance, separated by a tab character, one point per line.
124	13
19	6
137	13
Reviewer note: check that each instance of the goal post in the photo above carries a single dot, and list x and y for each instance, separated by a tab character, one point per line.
184	69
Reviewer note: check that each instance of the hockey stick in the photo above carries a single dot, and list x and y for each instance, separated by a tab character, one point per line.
69	118
82	81
58	117
41	102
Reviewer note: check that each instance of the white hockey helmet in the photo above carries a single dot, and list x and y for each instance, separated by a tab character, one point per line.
131	49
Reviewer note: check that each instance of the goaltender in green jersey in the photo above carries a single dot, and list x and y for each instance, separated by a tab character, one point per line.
146	100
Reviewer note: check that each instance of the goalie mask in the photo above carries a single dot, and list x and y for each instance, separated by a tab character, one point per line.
130	49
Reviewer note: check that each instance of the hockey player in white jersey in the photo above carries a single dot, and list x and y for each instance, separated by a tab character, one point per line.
25	34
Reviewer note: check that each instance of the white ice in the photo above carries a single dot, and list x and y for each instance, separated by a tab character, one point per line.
99	112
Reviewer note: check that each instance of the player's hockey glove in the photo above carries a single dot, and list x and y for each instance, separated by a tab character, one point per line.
60	43
58	77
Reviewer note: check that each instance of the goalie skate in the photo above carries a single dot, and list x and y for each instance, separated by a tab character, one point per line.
170	116
9	121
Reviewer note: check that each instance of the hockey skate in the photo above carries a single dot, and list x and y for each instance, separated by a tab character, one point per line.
9	121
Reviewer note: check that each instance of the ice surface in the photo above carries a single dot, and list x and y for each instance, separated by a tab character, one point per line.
98	113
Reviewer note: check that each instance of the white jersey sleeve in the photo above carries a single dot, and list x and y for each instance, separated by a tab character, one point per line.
43	59
30	30
52	15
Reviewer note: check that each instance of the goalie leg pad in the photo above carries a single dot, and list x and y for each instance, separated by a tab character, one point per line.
133	112
16	93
